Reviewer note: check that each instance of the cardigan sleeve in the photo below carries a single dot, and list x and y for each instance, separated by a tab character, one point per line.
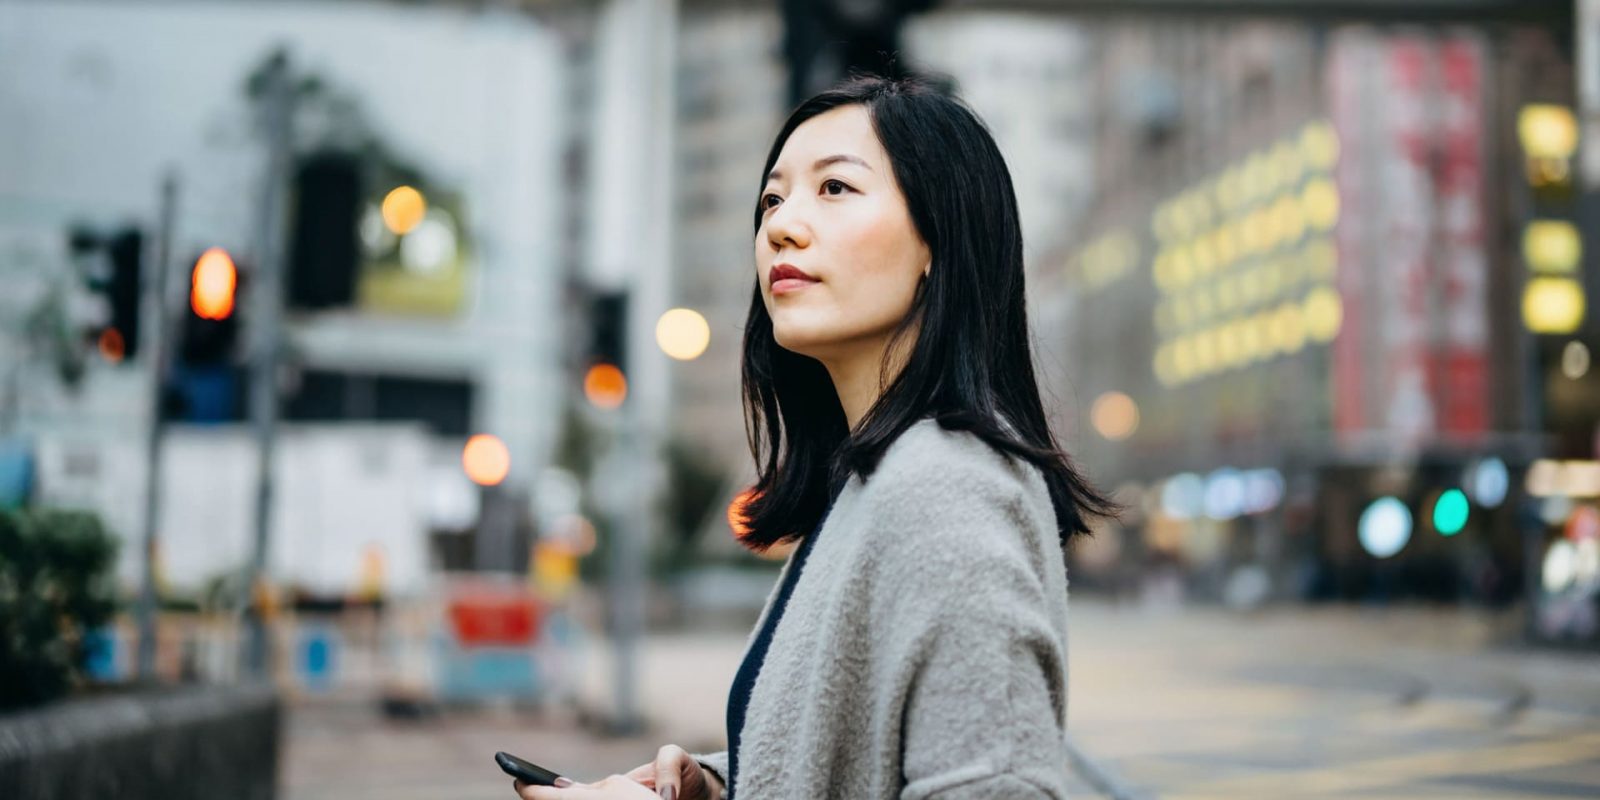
716	762
965	607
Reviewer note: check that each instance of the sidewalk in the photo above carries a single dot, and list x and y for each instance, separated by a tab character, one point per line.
1317	703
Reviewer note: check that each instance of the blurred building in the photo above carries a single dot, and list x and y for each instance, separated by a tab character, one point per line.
730	104
448	324
1301	290
1029	77
1025	74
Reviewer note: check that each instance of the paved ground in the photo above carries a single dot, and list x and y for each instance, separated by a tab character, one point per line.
1327	704
1197	704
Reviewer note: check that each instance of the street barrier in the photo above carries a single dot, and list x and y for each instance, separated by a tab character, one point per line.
486	646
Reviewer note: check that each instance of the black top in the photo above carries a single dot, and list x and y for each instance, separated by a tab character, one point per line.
745	680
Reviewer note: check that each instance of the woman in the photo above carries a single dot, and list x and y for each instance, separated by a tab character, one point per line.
915	645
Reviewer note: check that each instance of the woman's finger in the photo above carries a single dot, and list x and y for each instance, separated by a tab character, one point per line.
531	792
644	773
669	774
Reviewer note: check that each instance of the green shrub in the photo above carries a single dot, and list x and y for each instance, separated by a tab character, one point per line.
56	581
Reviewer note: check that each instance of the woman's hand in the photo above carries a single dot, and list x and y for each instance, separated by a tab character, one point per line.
676	776
673	775
616	787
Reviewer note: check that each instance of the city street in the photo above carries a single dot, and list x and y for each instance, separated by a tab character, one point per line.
1330	703
370	370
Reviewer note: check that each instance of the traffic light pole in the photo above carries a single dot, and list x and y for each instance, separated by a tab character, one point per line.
161	365
627	573
267	298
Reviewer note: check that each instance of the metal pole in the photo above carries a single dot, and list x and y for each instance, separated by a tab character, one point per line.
627	573
160	367
648	30
266	312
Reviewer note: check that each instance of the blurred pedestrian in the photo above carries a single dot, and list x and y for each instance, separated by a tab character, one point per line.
916	642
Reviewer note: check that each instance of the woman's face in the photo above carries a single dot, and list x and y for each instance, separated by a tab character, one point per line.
831	210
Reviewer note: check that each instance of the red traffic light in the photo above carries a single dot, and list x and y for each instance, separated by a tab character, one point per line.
212	285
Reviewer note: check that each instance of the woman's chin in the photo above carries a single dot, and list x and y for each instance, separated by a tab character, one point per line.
802	342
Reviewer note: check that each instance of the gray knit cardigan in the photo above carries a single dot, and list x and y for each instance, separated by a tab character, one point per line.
923	653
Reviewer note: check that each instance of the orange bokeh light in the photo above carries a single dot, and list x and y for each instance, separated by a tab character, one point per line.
605	386
403	209
112	346
213	282
486	460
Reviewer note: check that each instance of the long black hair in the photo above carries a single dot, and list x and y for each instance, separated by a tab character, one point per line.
970	366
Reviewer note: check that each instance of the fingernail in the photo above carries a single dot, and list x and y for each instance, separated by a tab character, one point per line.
670	793
562	783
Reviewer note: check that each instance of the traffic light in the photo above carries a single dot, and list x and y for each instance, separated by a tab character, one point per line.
205	379
608	320
605	368
213	282
824	42
112	268
326	248
126	250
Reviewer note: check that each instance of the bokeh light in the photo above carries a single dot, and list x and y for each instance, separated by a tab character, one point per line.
1385	527
1450	512
1560	566
1323	314
1489	481
605	386
1263	490
431	246
1547	130
486	460
1575	359
1224	494
1183	496
1552	305
211	294
683	334
113	348
1319	204
403	209
1552	246
1115	415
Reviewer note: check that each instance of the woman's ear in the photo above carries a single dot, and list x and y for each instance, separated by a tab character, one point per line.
927	269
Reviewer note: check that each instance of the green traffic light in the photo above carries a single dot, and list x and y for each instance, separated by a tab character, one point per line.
1450	512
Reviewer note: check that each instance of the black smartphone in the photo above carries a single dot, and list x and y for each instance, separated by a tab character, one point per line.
525	771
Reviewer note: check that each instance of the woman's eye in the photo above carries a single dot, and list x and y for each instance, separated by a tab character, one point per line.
767	201
829	185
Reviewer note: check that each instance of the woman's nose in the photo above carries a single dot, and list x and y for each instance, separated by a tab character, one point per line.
785	228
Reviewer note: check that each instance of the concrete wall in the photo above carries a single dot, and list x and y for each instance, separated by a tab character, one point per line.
170	744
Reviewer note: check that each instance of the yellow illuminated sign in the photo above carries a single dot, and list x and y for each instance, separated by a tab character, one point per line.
1245	260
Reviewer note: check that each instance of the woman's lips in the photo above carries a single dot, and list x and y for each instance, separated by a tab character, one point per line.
788	285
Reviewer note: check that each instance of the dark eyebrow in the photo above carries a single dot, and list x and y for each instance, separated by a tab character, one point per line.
826	161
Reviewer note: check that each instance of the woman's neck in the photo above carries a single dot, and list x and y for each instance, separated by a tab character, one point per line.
859	379
857	382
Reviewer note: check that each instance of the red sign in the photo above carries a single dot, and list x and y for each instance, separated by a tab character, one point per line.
494	617
1411	360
